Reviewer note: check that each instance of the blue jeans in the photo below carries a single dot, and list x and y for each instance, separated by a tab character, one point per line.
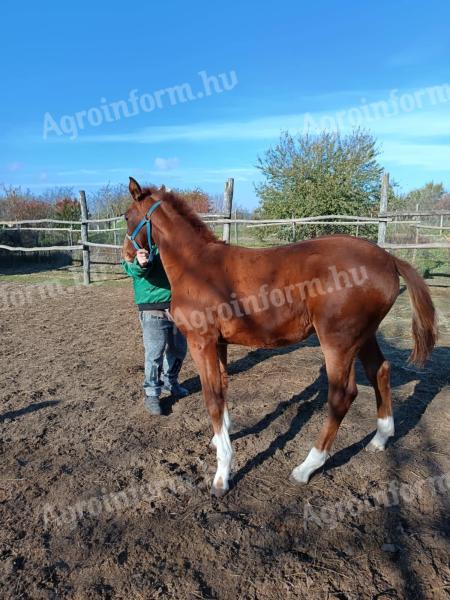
165	349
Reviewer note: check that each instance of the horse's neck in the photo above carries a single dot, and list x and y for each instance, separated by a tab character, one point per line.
179	247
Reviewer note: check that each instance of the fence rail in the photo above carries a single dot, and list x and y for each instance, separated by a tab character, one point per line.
41	248
84	226
28	221
98	245
41	229
429	213
416	246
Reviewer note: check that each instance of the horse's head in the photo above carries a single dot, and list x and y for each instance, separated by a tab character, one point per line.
143	200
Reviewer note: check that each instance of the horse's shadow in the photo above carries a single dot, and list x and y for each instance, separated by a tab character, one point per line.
245	363
407	413
308	400
399	525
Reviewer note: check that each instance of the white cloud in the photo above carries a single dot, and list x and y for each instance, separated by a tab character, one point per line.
12	167
195	174
432	157
264	128
409	136
166	164
421	122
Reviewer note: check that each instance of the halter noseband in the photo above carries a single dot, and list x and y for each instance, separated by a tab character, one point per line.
140	225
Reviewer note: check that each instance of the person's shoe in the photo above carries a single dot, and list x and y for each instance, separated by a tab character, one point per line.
176	389
151	403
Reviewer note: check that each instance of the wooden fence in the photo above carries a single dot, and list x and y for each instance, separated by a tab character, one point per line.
86	226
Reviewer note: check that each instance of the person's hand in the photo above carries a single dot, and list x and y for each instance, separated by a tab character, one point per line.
142	257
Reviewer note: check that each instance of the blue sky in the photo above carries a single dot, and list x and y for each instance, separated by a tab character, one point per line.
285	65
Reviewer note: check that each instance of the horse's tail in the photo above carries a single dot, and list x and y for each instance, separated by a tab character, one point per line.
424	322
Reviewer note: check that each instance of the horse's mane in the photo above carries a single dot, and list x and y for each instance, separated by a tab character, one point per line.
185	211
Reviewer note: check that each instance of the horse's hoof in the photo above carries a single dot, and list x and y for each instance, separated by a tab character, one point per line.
219	487
295	481
218	492
375	447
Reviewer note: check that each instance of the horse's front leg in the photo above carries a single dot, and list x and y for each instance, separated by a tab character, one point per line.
222	350
210	367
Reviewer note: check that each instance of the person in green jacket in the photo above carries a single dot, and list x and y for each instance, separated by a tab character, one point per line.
165	346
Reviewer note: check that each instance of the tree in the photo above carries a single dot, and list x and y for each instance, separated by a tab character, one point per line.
56	193
112	200
68	209
197	199
17	205
320	175
426	198
444	202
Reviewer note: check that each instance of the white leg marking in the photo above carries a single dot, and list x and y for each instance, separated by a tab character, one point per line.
226	422
385	430
314	460
226	419
224	456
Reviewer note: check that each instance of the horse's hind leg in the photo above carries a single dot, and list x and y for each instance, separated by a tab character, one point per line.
205	355
378	372
342	391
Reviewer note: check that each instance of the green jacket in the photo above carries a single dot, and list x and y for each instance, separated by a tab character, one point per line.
150	283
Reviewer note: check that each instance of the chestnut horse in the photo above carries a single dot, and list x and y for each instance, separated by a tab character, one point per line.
338	287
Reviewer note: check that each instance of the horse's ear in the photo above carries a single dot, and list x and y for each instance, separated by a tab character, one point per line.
135	189
162	189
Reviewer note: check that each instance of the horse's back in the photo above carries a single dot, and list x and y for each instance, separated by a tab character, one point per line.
310	259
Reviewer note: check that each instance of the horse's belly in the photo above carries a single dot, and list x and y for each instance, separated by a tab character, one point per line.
267	333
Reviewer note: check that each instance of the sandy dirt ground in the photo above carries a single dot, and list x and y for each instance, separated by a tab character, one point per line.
100	500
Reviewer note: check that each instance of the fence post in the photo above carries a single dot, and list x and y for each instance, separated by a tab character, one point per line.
383	209
84	238
227	207
115	232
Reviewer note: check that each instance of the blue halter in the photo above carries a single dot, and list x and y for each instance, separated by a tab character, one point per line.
140	225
